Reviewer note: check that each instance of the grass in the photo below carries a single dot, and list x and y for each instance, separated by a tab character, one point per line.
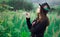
13	24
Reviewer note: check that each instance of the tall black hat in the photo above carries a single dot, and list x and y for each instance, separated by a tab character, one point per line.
45	10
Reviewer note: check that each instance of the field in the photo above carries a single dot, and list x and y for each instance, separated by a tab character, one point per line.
13	24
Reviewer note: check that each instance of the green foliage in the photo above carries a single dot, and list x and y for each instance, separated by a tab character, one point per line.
1	9
56	9
4	7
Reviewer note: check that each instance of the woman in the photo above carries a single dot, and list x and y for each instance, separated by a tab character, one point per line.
39	25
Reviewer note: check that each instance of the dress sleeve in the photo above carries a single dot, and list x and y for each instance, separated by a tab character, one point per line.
28	23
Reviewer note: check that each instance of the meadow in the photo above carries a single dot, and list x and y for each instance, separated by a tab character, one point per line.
13	24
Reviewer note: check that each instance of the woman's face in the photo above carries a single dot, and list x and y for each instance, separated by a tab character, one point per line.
38	9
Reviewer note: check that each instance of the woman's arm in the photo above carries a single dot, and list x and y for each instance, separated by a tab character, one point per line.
28	23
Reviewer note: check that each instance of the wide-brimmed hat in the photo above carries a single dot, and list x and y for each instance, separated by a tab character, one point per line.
45	9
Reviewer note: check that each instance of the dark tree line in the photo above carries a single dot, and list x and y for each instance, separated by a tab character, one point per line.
20	4
17	5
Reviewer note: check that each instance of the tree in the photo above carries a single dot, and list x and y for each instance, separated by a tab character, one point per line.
21	4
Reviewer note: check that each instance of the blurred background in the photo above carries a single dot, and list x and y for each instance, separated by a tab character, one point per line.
13	19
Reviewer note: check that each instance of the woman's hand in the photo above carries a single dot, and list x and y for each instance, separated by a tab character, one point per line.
27	15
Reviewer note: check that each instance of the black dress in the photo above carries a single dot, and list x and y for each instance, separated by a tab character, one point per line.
37	30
